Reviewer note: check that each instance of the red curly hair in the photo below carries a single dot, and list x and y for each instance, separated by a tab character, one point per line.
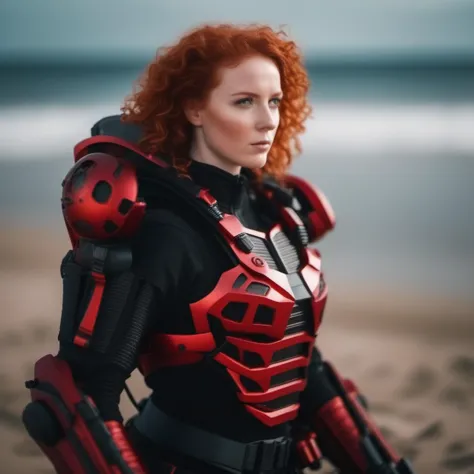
187	71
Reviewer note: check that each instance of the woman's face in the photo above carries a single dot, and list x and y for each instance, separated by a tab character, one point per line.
236	126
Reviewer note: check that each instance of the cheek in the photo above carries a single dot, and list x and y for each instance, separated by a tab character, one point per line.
231	126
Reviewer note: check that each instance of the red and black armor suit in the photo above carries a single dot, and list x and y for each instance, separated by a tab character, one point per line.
208	286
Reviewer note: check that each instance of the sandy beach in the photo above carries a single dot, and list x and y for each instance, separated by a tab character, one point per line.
412	356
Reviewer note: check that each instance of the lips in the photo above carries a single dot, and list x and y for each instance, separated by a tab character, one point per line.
263	142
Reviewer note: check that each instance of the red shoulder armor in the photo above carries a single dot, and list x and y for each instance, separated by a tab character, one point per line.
100	198
100	193
315	210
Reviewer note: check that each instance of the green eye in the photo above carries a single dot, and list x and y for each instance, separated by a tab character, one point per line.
276	101
245	101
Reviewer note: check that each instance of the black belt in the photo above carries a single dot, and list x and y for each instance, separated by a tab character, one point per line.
270	455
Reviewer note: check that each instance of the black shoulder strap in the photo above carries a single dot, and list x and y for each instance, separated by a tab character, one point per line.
165	189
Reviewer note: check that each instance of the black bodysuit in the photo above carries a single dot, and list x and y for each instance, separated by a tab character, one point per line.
174	264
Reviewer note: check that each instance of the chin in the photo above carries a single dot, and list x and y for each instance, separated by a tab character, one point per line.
255	161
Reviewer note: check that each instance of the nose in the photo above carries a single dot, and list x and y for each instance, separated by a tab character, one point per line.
267	119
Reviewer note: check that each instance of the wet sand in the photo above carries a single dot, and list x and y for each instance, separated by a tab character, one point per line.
411	355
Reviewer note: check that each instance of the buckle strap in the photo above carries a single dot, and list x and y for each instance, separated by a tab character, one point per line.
270	455
267	455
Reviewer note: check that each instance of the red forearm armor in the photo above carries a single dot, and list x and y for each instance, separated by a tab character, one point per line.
349	438
66	425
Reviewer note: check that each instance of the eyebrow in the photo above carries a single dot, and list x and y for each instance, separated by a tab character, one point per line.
252	94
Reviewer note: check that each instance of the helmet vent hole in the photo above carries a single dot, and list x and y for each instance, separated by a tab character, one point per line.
102	192
125	206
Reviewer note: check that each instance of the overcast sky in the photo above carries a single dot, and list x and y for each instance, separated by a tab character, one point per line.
323	27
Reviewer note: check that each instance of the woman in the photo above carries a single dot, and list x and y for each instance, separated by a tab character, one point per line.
211	291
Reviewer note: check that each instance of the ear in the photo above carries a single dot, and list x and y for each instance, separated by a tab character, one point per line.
193	113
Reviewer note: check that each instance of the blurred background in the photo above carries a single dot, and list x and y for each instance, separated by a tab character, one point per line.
391	143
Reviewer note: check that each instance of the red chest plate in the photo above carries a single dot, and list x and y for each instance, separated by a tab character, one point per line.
269	320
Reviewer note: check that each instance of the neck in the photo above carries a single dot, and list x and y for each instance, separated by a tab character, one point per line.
230	190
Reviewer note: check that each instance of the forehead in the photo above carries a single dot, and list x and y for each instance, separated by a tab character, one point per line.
256	72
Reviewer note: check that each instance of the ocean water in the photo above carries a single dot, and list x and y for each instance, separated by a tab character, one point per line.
392	148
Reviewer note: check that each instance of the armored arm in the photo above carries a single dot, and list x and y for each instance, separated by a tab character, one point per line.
341	427
74	415
352	434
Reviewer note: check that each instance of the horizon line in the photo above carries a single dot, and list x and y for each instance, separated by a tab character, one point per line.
311	61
